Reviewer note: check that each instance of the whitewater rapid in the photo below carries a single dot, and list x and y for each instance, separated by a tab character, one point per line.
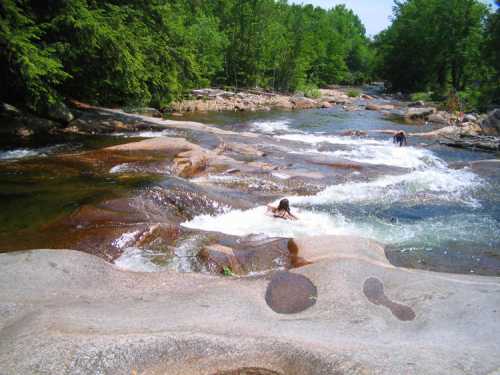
428	180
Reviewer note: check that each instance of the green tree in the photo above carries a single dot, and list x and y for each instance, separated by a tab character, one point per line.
30	69
432	44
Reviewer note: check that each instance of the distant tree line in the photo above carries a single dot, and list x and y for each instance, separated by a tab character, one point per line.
445	49
149	52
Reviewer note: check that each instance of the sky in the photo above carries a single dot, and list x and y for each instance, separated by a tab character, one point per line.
375	14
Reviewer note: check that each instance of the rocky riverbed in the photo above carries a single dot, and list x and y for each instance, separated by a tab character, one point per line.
180	271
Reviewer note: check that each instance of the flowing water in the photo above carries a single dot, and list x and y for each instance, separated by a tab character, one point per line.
426	202
432	213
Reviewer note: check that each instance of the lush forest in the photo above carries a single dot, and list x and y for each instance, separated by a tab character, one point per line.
125	52
443	49
129	52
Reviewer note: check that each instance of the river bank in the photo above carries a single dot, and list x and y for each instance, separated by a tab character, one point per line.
194	269
464	131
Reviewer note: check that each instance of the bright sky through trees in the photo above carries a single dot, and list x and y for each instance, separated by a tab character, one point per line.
375	14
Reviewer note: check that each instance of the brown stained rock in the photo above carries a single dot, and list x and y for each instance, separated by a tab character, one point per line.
246	256
303	103
379	107
282	102
242	149
262	166
296	260
290	293
339	165
217	257
169	145
190	163
189	159
167	234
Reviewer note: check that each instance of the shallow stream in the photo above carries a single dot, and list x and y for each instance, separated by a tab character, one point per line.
431	205
435	213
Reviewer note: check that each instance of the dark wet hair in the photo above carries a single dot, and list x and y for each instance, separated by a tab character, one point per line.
284	205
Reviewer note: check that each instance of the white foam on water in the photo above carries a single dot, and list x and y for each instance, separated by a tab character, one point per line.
281	176
318	138
271	127
18	154
428	184
256	221
217	178
21	153
465	228
405	157
126	239
432	184
368	151
120	168
143	134
134	259
249	182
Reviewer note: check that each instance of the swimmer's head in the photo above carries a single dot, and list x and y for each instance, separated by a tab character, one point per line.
284	205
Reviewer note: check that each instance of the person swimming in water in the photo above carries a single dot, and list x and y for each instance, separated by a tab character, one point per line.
282	211
400	137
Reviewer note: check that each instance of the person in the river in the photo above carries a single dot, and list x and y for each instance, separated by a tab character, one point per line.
400	137
282	211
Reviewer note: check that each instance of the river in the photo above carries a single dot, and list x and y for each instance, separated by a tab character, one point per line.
433	207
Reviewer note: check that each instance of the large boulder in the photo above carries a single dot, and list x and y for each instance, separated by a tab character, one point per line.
415	113
282	102
60	112
440	117
190	163
379	107
247	256
491	125
301	102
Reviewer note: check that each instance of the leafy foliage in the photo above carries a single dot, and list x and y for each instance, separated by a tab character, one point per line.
151	52
30	69
443	46
353	93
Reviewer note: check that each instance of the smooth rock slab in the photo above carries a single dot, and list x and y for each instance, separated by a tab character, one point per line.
66	312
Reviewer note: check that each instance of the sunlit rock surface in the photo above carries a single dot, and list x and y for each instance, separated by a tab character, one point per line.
348	312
